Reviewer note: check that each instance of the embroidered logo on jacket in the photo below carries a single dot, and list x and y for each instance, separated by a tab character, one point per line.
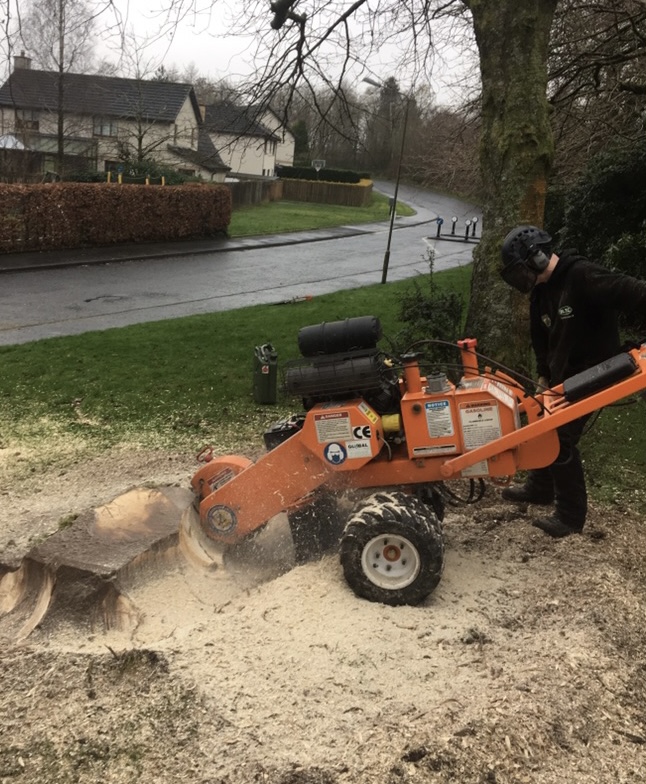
566	312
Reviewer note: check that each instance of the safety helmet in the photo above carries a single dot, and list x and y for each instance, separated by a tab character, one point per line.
526	252
522	243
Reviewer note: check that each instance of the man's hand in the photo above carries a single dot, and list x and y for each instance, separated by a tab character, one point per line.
542	385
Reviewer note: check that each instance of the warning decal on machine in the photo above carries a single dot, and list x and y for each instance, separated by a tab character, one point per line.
221	478
480	423
426	451
438	419
500	392
334	426
368	412
479	469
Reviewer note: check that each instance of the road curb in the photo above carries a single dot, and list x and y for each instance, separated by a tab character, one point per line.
79	257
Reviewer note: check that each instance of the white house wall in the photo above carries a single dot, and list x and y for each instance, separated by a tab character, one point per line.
245	154
285	147
186	126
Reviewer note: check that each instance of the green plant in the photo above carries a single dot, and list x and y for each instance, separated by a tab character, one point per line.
628	253
326	175
431	315
608	202
137	172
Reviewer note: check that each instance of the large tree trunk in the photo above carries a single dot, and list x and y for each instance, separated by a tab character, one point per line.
516	153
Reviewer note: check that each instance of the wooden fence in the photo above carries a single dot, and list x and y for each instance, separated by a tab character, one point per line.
245	193
339	193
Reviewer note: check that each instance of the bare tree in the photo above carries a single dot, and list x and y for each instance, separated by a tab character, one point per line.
60	34
443	153
597	71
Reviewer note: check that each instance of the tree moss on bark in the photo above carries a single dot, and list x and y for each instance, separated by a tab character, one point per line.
515	155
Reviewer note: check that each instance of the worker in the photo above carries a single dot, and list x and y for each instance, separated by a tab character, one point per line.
574	309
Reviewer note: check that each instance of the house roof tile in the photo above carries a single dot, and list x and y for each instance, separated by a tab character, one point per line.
227	117
107	96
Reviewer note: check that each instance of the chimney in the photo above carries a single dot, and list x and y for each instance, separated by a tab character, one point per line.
21	61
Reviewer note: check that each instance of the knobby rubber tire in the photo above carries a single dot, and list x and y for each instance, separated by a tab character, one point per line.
315	528
393	533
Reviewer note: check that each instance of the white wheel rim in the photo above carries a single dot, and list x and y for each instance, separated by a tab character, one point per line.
390	561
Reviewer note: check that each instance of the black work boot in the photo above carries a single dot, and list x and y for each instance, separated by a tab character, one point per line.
526	494
555	527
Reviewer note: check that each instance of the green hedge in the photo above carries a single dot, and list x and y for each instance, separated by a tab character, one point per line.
324	175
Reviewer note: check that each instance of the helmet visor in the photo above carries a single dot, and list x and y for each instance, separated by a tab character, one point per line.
519	276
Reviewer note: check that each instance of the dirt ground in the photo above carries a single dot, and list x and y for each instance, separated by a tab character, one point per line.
527	663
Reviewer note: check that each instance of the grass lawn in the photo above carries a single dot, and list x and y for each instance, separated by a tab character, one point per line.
282	216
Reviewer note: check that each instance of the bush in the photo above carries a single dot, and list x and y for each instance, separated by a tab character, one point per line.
137	172
325	175
432	317
72	215
628	254
607	203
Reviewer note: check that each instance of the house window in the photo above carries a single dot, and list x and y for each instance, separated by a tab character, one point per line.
104	127
26	120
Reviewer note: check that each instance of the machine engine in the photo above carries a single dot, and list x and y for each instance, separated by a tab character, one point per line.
340	361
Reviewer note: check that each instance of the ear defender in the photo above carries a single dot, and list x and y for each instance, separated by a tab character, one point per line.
536	258
525	253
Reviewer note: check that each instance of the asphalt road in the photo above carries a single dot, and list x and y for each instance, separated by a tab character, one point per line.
95	295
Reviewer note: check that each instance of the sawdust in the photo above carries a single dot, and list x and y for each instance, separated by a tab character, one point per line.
527	664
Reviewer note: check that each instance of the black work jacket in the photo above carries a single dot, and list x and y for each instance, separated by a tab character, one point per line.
574	315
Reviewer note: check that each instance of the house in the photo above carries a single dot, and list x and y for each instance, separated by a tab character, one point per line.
248	145
286	141
107	121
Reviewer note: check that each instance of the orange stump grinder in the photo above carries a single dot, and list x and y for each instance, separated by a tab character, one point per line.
373	422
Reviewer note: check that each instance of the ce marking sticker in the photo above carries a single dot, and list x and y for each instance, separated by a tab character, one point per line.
362	431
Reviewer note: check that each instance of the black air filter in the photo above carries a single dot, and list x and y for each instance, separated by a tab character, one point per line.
336	337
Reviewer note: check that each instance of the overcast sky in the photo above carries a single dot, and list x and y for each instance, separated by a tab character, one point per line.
199	39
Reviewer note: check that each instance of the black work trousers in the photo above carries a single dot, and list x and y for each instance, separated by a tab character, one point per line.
564	480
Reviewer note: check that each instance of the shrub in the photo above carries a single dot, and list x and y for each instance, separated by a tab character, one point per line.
608	202
70	215
324	175
431	316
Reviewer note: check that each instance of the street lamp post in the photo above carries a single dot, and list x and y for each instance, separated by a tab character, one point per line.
393	211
